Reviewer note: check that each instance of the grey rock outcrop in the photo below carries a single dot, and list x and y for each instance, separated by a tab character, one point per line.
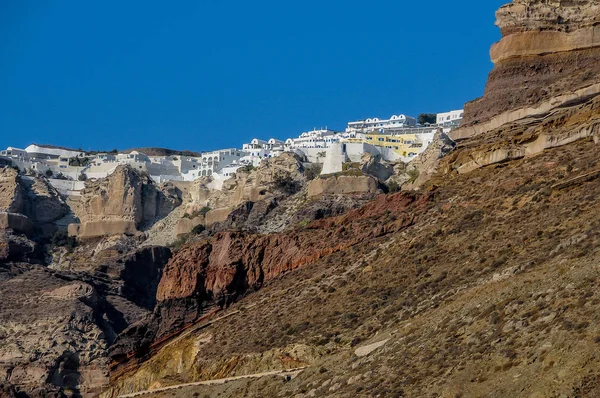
29	204
376	167
426	164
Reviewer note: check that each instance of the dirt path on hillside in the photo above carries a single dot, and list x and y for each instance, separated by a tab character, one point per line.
281	373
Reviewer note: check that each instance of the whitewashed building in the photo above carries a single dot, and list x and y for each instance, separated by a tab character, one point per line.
43	151
396	122
450	118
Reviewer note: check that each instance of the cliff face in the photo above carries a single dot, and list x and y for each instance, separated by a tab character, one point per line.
28	204
56	325
543	90
122	203
547	57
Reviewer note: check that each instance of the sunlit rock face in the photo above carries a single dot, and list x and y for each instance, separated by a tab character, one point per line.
547	57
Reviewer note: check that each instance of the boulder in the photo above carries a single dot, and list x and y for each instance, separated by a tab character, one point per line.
341	185
17	222
426	164
374	166
186	225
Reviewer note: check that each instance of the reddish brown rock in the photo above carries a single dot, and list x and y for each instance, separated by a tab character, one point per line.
215	272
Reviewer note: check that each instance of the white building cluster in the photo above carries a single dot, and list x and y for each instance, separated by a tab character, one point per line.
396	138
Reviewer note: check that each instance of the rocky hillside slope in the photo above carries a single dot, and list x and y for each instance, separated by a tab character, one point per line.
481	285
63	302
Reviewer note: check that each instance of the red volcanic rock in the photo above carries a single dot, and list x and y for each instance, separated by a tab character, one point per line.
231	262
215	272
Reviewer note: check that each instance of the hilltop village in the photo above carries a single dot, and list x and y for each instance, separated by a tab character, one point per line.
397	139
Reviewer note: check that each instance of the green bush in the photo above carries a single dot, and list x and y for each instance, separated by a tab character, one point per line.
198	229
393	187
62	239
413	174
427	118
246	169
312	171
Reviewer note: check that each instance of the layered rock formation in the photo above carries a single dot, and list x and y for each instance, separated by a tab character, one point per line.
543	91
343	185
547	58
125	202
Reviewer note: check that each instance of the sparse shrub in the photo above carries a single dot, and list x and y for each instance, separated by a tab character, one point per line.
179	242
312	171
198	229
304	223
247	169
350	166
413	174
202	212
62	239
393	187
49	173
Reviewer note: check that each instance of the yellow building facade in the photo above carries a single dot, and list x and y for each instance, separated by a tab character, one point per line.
403	145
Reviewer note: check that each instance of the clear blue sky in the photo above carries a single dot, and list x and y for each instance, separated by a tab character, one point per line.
207	74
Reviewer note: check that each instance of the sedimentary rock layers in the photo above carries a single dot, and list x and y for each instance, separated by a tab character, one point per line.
547	58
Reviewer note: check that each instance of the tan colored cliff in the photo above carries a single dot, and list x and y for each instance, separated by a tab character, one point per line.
547	58
28	204
11	196
544	89
274	177
125	202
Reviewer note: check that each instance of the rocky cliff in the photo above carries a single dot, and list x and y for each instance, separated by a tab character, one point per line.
543	90
56	325
29	204
482	286
125	202
547	58
216	272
